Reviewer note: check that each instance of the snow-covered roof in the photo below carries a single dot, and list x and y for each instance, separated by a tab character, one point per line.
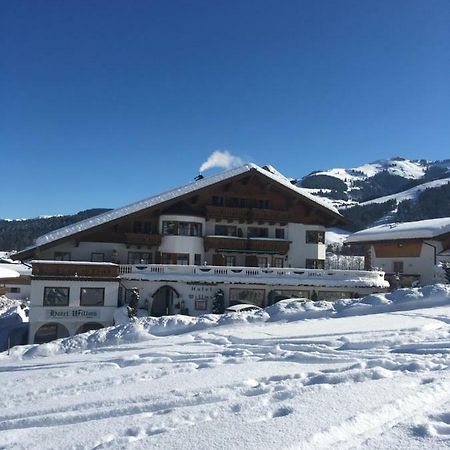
148	202
8	273
422	229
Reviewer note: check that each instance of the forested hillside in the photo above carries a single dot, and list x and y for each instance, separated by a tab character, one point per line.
18	234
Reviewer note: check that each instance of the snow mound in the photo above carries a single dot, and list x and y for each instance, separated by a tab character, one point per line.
148	328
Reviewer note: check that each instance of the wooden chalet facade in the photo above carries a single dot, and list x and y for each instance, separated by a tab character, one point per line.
249	218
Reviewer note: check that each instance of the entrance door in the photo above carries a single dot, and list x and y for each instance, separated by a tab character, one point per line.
163	301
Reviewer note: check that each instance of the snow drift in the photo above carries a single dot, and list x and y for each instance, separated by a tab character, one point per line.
148	328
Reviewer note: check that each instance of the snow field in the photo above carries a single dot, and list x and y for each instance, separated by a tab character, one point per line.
298	376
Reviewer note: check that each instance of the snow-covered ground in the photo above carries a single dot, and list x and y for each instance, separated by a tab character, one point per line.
361	373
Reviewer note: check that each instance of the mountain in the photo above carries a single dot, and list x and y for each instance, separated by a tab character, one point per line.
395	189
18	234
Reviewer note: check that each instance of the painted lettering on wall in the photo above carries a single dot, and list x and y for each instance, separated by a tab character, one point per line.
72	314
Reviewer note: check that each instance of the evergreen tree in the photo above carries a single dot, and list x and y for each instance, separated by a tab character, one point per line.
218	306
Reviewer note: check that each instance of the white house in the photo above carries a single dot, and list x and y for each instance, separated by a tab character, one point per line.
408	252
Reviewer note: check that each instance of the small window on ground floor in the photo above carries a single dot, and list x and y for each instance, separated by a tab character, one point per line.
253	296
398	266
92	296
201	305
333	295
13	290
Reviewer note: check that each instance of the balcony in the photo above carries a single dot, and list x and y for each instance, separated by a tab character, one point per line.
272	276
152	240
252	245
248	214
74	269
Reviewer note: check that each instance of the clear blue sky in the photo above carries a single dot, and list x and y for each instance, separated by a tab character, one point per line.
103	103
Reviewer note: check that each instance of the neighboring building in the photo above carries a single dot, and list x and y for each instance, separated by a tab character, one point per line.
244	232
71	297
408	252
15	287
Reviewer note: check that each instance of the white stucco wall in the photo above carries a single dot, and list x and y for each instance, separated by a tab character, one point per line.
73	315
299	250
422	265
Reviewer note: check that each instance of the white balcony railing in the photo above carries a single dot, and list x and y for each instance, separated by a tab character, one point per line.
242	272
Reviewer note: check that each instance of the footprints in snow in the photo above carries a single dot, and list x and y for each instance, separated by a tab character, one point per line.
437	426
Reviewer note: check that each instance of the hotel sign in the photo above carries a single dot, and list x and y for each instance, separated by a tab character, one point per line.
72	314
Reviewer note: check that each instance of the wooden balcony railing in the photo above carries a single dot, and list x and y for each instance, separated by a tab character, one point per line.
74	269
272	246
248	214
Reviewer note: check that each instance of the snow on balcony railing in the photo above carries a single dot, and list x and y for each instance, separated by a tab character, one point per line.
254	272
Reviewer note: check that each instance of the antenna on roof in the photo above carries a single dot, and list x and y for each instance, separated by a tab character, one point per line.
199	177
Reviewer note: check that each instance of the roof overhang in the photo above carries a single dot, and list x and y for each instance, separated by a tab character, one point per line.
77	230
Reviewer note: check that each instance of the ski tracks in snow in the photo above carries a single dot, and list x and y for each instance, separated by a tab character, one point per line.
145	395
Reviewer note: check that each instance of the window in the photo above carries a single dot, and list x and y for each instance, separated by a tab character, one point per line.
253	296
257	232
139	258
92	296
62	256
278	262
183	228
195	229
175	258
13	290
279	233
137	227
198	259
183	259
315	237
315	264
201	305
240	202
225	230
333	295
398	266
56	296
97	257
230	260
262	261
147	228
170	227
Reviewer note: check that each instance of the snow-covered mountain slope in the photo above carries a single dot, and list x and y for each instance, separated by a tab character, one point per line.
409	194
387	182
344	378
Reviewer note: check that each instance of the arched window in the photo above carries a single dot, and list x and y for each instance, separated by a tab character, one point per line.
49	332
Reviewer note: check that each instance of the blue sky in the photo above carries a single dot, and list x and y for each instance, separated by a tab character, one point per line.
106	102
